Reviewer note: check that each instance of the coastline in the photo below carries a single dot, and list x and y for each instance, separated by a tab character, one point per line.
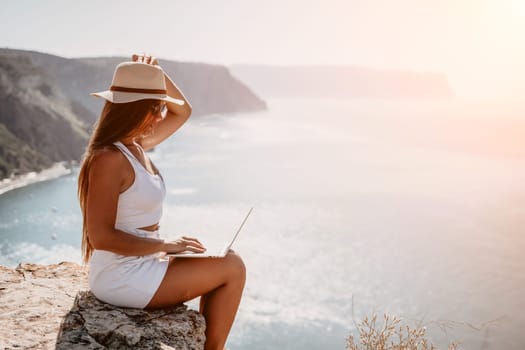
56	170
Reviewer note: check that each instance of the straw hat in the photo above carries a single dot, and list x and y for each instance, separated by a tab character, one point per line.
133	81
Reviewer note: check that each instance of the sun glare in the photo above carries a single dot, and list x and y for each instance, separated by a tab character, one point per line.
518	8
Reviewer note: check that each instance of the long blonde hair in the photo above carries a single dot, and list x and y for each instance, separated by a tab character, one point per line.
117	121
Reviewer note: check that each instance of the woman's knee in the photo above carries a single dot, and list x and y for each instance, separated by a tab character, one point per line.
236	265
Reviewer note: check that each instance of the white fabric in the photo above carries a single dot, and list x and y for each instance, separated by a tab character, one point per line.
141	204
131	281
127	281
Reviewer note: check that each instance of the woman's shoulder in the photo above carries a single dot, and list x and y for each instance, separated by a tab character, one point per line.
108	171
108	157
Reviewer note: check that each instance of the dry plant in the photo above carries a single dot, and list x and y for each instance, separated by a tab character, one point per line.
391	335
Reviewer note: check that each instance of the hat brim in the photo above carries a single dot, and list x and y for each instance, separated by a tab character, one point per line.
125	97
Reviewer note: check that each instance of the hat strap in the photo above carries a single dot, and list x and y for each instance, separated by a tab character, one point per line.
142	91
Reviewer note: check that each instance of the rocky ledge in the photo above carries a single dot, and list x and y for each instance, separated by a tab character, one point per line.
49	307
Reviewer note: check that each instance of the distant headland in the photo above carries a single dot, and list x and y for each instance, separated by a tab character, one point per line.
344	81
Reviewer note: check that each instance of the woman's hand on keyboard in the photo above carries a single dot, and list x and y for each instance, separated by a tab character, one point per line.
184	244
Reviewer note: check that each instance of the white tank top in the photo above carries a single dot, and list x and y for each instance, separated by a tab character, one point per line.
141	204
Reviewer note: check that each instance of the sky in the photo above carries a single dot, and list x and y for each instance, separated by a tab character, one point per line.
478	44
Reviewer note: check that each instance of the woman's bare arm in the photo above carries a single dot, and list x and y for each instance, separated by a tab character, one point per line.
177	115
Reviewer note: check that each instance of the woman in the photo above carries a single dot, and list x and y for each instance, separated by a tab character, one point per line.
121	193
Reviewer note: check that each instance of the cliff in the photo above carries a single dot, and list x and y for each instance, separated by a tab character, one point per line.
46	110
342	82
48	307
38	125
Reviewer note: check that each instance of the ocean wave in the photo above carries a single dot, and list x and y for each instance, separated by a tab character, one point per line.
14	254
56	170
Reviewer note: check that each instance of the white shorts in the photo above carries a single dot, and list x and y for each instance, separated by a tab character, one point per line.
127	281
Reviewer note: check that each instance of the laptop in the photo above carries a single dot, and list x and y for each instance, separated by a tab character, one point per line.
219	253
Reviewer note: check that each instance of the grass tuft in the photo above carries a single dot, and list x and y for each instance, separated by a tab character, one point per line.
390	334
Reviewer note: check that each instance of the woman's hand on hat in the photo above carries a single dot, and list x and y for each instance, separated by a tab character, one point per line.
144	58
184	244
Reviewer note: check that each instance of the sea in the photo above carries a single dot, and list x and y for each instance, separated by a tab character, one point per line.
411	208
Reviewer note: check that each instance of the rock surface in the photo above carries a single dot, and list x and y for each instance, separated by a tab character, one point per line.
48	307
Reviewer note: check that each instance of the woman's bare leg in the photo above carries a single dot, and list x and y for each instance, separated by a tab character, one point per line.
220	282
202	302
